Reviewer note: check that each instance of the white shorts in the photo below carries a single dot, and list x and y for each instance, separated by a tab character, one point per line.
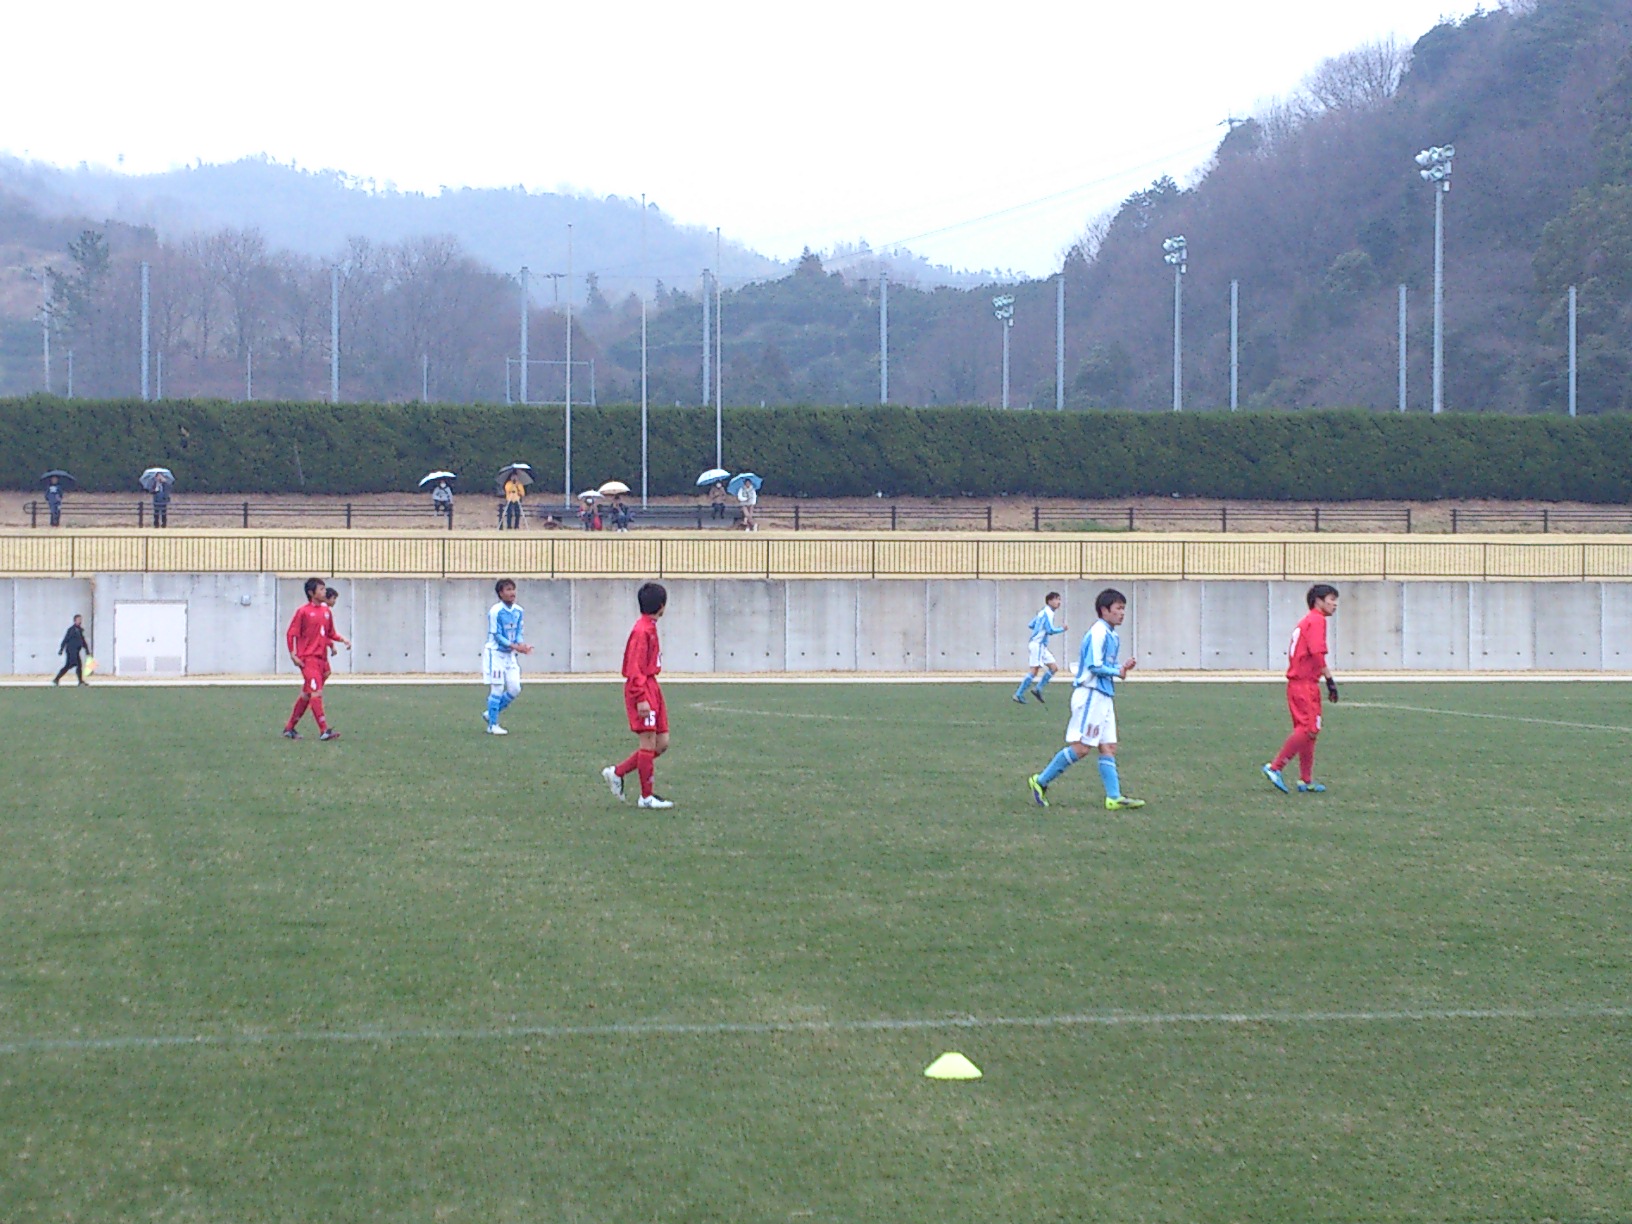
501	667
1040	655
1093	718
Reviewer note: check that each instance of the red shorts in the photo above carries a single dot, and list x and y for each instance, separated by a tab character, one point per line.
657	720
313	674
1303	700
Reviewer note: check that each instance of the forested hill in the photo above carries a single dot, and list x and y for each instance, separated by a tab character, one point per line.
1313	207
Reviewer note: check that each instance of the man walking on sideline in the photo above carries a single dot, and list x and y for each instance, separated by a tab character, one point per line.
1306	667
72	648
643	700
311	631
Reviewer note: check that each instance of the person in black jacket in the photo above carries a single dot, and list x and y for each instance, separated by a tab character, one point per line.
73	647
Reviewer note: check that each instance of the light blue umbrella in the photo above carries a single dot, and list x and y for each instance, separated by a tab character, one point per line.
742	478
156	476
713	476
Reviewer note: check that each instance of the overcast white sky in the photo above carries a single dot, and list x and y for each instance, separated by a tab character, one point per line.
786	125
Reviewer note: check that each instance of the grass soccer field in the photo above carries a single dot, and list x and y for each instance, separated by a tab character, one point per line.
427	974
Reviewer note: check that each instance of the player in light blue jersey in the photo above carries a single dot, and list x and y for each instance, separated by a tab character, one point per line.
501	659
1093	706
1040	664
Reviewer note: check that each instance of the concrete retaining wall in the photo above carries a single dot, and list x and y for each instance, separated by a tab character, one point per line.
235	623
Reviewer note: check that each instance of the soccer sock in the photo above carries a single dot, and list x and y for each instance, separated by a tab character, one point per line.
301	703
1025	683
1063	760
644	760
1043	679
1290	749
504	701
494	705
1107	775
628	765
317	712
1306	760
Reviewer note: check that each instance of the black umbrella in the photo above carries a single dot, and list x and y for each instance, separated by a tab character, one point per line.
58	475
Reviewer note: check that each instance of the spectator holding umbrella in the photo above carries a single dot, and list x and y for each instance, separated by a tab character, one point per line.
157	480
54	481
619	513
513	481
746	487
715	478
442	494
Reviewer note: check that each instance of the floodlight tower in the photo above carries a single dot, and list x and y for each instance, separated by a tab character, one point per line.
1003	309
1435	167
1176	252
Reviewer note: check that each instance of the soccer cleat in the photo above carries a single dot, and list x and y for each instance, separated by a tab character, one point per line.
330	734
1311	788
290	733
495	729
610	773
654	801
1039	792
1123	804
1021	700
1038	693
1275	779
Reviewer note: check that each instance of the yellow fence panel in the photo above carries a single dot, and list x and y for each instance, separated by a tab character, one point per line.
312	556
111	552
214	554
36	553
1029	558
1533	561
1334	559
1131	559
1234	559
820	557
913	558
592	555
713	556
388	555
1607	561
1434	559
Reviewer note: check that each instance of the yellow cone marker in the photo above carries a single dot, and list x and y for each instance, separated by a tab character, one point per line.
952	1066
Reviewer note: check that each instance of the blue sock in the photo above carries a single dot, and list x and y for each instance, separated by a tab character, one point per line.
494	705
1063	760
1043	679
1025	682
504	702
1107	775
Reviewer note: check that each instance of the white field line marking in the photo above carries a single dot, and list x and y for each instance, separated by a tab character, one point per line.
1518	718
554	1032
716	707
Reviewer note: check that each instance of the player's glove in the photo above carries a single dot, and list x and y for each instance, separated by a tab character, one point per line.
1331	689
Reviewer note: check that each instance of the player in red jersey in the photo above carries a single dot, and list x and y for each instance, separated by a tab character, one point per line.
311	632
643	700
1306	667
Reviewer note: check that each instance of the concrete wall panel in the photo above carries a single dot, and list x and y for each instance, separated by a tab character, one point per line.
1434	616
961	625
42	610
548	604
891	626
1167	625
750	626
386	625
1568	626
231	618
8	610
687	627
821	626
1368	632
601	616
1617	626
1235	625
1501	626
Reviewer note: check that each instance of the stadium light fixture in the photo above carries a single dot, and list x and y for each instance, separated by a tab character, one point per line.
1176	253
1434	165
1003	309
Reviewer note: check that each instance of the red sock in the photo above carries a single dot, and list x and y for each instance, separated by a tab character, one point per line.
1293	746
628	765
317	712
300	709
1306	760
644	760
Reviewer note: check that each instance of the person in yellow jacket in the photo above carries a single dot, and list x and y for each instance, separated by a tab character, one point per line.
514	491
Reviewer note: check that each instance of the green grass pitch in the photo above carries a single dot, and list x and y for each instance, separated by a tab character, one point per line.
437	975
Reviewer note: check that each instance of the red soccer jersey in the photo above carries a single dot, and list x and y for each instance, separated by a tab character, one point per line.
311	630
1306	656
642	660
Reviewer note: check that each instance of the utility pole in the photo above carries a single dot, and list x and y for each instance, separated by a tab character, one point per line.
1235	344
708	296
524	335
568	422
1177	255
643	430
883	335
334	335
1572	350
1059	343
1435	168
1402	348
145	396
1003	310
719	355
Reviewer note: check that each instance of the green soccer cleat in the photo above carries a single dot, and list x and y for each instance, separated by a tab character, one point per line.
1039	792
1123	804
1311	788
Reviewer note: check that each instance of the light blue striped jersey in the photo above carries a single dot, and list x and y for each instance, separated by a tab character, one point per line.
1043	626
504	626
1097	666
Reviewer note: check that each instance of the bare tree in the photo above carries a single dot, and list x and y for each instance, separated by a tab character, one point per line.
1358	80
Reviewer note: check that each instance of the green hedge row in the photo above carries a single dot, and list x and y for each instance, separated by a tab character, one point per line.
1325	456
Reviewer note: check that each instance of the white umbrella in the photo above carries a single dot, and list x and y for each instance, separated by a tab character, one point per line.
589	495
614	488
713	476
521	471
156	476
437	476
